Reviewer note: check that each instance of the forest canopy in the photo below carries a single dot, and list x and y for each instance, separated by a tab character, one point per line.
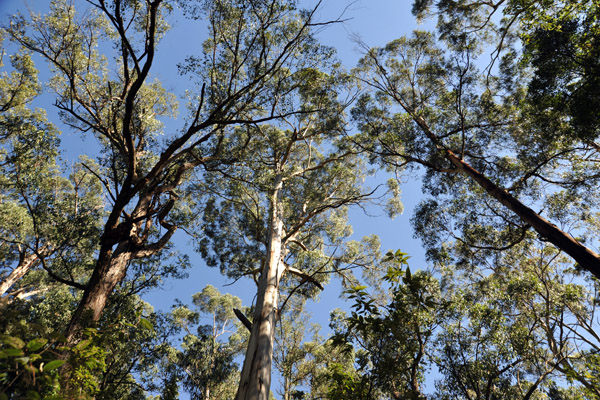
255	169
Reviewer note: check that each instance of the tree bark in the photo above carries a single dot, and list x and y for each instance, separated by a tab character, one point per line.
586	258
109	271
255	380
286	388
25	264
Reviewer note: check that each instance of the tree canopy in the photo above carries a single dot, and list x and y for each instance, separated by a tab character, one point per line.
256	168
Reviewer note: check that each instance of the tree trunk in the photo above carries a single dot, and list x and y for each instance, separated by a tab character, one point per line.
25	264
286	388
110	270
585	257
255	380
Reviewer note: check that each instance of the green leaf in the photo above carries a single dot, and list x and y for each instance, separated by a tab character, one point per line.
13	341
22	360
83	344
5	353
146	324
36	344
52	365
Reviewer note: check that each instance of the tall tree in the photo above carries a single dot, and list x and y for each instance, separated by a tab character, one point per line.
280	213
491	332
432	107
513	332
206	362
242	66
453	120
301	355
47	219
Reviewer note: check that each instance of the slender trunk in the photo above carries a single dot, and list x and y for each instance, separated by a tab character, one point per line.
286	388
110	270
255	380
586	258
25	264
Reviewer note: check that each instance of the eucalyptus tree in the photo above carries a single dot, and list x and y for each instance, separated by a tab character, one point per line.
47	219
279	215
515	332
512	329
241	69
301	355
494	151
206	361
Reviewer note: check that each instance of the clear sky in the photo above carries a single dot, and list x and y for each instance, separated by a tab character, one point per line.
376	22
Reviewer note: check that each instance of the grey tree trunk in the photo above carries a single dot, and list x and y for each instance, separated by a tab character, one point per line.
286	388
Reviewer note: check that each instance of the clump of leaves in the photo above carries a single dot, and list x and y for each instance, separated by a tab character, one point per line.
30	370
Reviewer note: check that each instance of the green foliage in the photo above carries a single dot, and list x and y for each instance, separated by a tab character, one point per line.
319	173
86	363
28	369
561	47
498	335
37	369
205	364
393	333
344	384
301	355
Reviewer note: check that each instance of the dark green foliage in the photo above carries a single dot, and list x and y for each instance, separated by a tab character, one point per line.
508	334
565	59
33	369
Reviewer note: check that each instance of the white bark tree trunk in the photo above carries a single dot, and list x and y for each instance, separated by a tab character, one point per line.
255	381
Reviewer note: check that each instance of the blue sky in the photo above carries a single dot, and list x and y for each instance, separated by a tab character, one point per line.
376	22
